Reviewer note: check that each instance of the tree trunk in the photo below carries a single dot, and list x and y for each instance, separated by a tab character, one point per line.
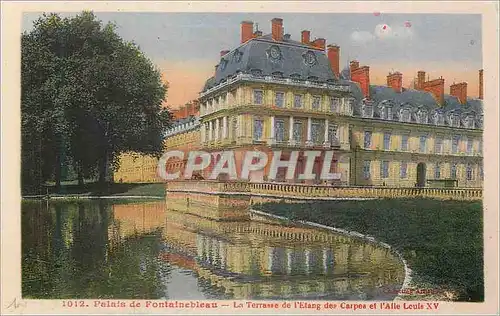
57	172
81	182
103	168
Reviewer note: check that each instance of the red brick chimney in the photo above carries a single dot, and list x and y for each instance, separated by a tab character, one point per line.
361	75
277	29
224	52
436	88
246	31
353	65
481	84
334	58
459	90
395	81
420	79
306	37
319	43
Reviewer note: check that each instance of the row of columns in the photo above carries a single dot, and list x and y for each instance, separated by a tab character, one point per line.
291	128
215	252
211	129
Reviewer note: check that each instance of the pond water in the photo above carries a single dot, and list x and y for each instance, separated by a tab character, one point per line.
143	250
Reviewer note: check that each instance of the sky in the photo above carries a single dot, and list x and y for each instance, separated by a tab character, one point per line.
186	46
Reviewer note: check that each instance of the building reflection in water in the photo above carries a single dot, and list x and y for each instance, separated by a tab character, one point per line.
259	259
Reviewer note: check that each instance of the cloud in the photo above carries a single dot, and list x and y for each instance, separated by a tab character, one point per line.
362	37
382	32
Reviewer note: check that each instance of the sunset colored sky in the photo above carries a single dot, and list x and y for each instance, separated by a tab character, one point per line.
186	46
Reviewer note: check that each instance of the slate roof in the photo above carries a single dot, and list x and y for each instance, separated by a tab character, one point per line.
255	55
185	120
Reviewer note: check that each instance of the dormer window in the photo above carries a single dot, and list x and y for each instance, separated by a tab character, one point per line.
454	120
237	56
256	72
422	116
295	76
367	110
386	112
313	78
479	121
469	121
438	118
404	115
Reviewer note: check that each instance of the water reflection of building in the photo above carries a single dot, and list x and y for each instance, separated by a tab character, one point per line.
135	218
258	259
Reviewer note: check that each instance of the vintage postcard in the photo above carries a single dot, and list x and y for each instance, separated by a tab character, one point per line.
249	158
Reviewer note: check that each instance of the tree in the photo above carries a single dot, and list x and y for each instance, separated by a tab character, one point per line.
87	96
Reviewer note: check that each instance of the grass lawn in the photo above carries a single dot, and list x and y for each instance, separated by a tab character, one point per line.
441	240
92	188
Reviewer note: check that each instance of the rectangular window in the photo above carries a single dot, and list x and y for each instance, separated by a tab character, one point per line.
384	170
316	132
368	139
258	96
404	169
438	145
469	145
257	129
453	172
366	169
404	142
279	132
481	172
469	172
279	99
334	104
316	102
387	141
454	144
332	135
297	132
437	171
423	144
297	101
234	126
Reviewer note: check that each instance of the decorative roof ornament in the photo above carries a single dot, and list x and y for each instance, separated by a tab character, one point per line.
309	58
274	53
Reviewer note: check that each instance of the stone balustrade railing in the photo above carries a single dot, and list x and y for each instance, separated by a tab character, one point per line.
323	191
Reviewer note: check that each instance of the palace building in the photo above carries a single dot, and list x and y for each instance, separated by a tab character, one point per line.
275	93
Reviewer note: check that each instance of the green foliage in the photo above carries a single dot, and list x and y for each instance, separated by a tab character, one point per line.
87	96
442	240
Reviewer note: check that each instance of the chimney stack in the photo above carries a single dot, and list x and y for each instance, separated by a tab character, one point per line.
420	79
334	58
361	75
277	29
353	65
395	81
306	37
319	43
481	84
246	31
436	88
459	90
